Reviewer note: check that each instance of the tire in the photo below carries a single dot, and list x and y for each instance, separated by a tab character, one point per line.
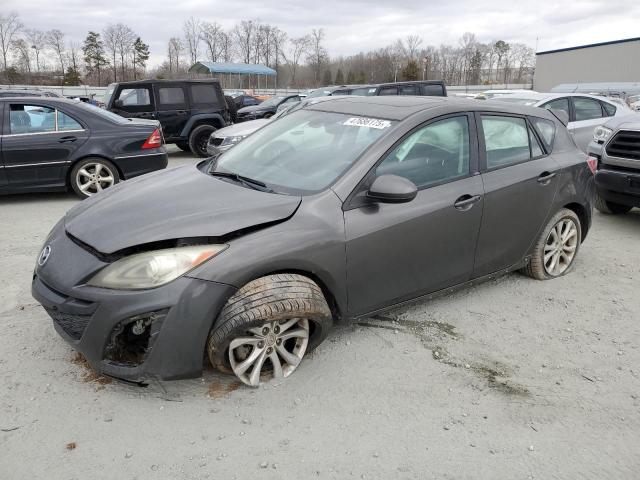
92	175
184	146
267	310
610	208
198	139
541	270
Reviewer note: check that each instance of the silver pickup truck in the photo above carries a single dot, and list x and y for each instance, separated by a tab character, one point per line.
614	153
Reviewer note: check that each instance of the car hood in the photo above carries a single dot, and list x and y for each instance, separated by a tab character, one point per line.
254	108
178	203
244	128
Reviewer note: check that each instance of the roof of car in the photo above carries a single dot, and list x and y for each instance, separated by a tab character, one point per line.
401	107
166	80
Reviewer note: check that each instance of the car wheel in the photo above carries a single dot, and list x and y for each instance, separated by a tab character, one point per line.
610	208
557	247
92	175
184	146
267	327
199	138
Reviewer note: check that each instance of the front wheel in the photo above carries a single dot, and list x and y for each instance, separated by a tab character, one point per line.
557	247
199	138
610	208
267	327
92	175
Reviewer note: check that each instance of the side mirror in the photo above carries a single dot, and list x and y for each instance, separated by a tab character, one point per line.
118	103
392	189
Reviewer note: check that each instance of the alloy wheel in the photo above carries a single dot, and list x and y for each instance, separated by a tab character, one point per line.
560	247
93	178
274	349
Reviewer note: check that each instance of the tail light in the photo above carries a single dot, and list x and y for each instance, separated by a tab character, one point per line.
154	140
592	161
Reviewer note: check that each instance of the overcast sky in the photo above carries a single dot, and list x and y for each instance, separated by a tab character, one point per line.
350	25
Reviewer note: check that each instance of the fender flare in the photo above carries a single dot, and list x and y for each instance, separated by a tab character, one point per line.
216	117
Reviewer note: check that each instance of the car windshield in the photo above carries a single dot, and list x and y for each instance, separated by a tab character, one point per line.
272	102
303	152
108	93
516	100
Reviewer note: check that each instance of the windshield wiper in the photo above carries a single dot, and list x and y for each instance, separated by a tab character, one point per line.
250	182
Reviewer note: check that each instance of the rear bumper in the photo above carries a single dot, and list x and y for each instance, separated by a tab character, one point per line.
180	315
139	164
622	187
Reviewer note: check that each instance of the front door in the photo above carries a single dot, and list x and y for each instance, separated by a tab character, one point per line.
400	251
520	183
134	101
38	145
173	108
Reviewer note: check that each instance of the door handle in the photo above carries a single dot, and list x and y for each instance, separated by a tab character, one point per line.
465	202
181	112
545	178
68	139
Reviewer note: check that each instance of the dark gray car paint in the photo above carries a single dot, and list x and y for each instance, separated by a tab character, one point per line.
365	256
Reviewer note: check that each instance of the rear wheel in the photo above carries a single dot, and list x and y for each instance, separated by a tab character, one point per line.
610	208
557	247
199	138
92	175
267	327
184	146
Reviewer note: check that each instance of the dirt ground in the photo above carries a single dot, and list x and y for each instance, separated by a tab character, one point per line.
512	379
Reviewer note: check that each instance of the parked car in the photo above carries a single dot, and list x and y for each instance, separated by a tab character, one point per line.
266	109
242	101
426	87
188	110
51	144
19	92
615	155
488	94
585	112
634	102
338	210
225	138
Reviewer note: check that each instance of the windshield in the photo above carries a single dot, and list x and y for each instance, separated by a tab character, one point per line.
303	152
516	100
108	93
272	102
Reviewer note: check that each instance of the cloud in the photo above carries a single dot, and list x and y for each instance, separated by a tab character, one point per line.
351	26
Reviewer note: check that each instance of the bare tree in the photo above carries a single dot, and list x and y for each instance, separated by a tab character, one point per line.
110	36
55	41
192	34
226	46
243	33
412	46
10	25
175	49
23	52
317	54
73	55
211	34
124	44
37	42
299	46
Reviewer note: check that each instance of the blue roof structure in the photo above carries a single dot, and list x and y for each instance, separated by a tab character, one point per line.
237	68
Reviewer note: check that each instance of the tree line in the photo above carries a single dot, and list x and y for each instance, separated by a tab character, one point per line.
117	53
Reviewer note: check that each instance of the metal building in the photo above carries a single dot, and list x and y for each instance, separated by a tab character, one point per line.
616	61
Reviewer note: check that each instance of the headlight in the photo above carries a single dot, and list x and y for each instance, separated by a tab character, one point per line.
155	268
232	140
602	134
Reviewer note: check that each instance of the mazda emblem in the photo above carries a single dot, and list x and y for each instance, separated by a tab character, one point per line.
44	255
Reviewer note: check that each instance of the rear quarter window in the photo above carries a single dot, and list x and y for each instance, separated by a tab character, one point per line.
206	94
610	110
546	130
433	90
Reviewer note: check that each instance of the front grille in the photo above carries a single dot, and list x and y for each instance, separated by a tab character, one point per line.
625	144
215	141
73	325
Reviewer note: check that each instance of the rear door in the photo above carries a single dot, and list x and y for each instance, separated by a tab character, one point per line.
39	143
520	182
172	108
134	101
3	176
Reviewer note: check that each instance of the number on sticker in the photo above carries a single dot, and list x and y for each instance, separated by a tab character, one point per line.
367	122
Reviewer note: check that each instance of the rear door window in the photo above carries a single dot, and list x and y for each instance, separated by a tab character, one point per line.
506	140
204	94
547	131
408	90
586	108
433	90
171	97
558	104
135	97
388	91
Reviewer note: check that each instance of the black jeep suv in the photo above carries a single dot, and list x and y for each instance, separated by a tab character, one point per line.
188	110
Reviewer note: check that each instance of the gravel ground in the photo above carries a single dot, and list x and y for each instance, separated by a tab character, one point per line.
512	379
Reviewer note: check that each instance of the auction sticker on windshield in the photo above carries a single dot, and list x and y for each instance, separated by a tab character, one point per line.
367	122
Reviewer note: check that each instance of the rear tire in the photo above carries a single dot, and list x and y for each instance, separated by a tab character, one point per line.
199	138
610	208
184	146
268	315
92	175
557	247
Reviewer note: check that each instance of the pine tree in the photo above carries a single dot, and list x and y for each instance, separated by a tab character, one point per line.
351	79
411	71
339	77
72	76
326	79
140	55
94	54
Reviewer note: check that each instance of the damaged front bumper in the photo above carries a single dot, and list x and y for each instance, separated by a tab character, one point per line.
136	336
